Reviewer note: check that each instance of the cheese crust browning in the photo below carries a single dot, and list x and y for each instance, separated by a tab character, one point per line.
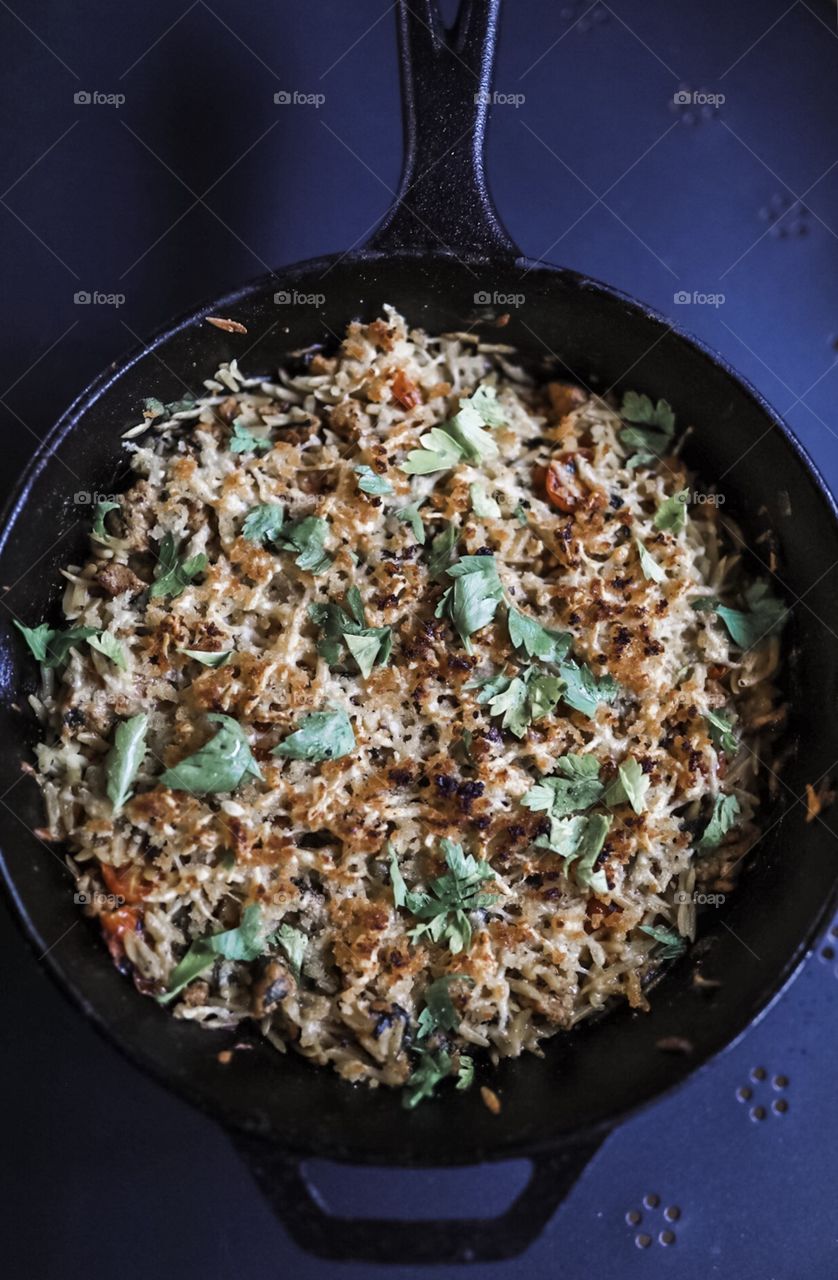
573	525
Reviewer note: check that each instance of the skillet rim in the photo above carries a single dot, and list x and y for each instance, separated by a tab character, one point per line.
13	508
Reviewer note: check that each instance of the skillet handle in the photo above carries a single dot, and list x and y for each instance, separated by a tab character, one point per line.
412	1242
443	203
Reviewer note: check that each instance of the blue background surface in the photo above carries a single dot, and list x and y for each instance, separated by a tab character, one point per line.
198	181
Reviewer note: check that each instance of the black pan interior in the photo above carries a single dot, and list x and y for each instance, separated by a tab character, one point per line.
594	1075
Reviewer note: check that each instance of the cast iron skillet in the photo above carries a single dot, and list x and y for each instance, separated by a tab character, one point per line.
439	252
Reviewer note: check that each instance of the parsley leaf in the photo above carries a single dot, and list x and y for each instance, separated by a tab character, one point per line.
649	566
322	735
630	785
465	1072
590	847
175	574
124	759
574	786
410	515
482	505
110	647
764	614
246	942
220	765
583	691
263	523
370	482
672	513
207	659
536	641
673	944
293	943
472	601
103	506
244	441
721	732
430	1070
441	547
519	699
439	1013
445	909
53	647
653	425
461	437
307	536
439	451
367	645
725	812
579	839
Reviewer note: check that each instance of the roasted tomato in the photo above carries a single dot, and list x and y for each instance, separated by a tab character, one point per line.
405	392
115	925
562	483
124	882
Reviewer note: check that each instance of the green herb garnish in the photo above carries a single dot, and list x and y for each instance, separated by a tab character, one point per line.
482	504
649	566
652	429
174	574
263	523
672	513
293	942
124	759
108	645
630	785
463	436
220	765
472	601
410	515
244	441
207	659
763	615
246	942
445	908
673	943
52	647
721	732
370	482
103	506
307	537
520	699
322	735
368	645
725	812
536	641
574	786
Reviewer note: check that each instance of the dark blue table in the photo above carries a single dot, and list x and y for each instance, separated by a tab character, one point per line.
199	179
